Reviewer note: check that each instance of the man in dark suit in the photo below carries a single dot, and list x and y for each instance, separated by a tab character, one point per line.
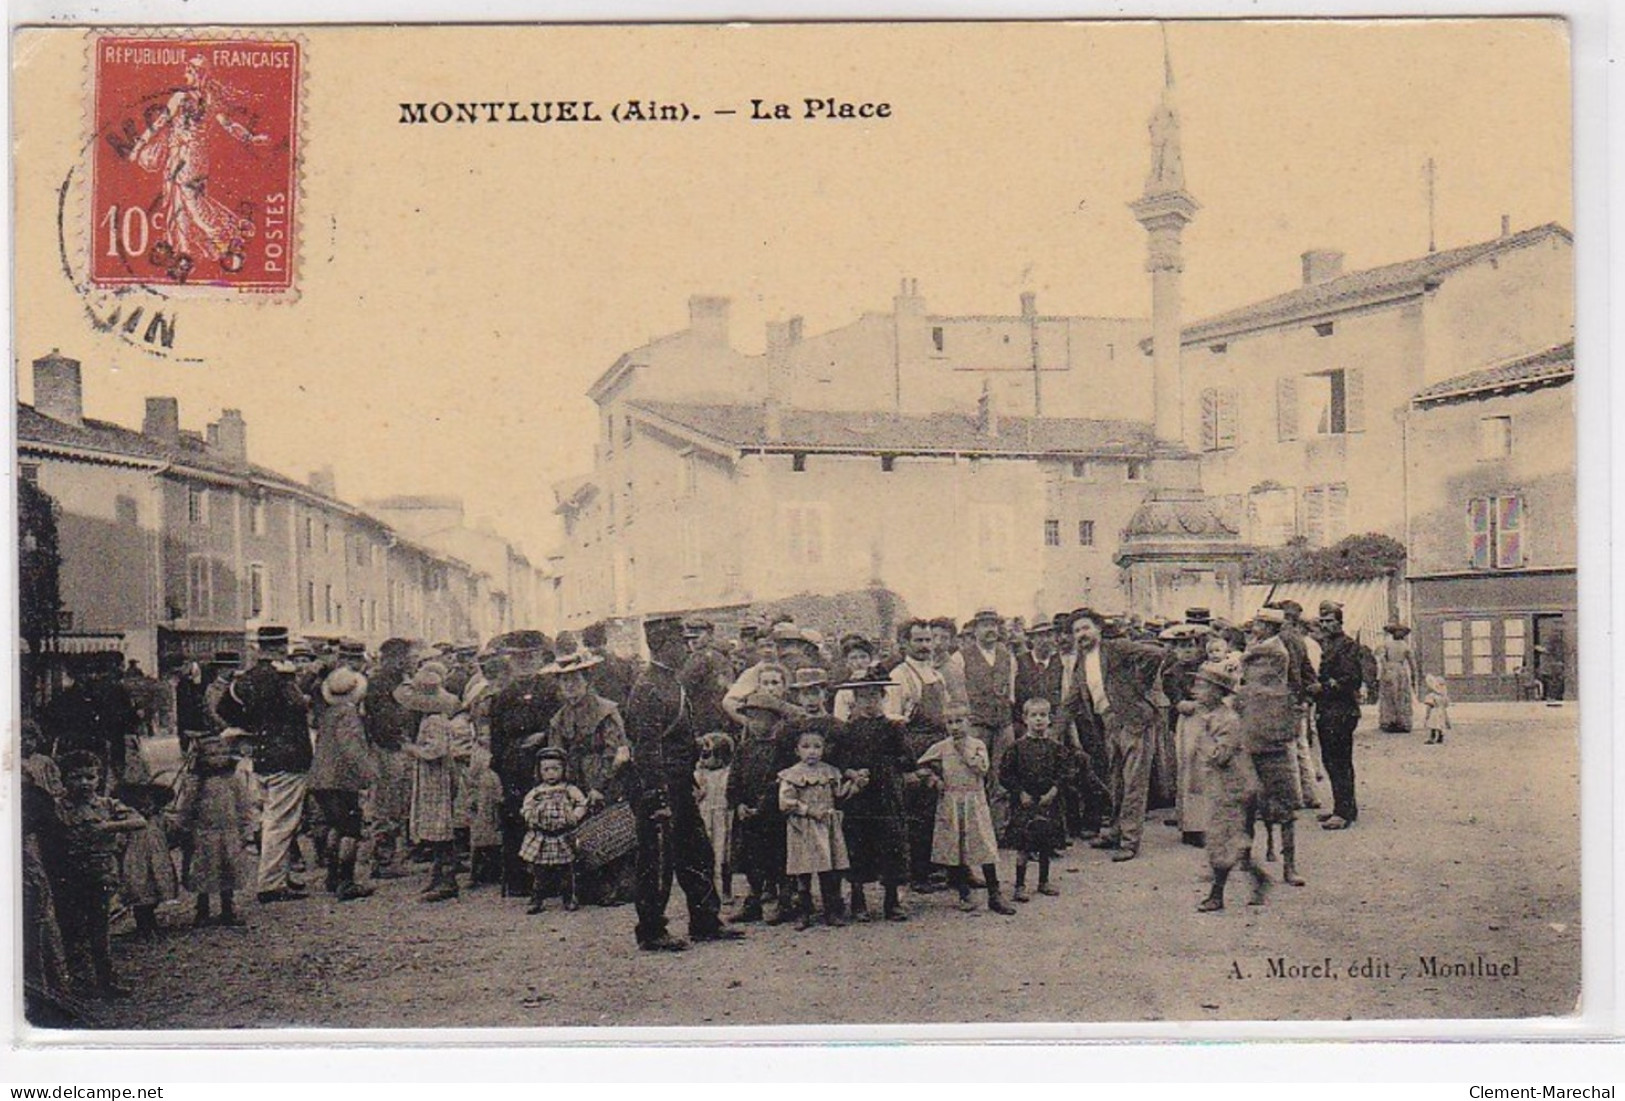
1117	700
672	842
523	707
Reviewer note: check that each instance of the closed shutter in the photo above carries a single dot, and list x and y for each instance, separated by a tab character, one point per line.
1478	533
1509	520
1286	408
1210	419
1354	400
1314	516
1337	513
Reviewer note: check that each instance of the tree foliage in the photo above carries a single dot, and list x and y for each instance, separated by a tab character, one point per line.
39	567
1355	558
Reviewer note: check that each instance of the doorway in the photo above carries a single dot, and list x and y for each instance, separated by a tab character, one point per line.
1551	655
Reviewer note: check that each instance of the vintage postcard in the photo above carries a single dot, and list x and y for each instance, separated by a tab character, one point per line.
577	526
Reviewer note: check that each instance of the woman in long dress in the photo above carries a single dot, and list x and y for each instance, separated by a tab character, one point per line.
1396	680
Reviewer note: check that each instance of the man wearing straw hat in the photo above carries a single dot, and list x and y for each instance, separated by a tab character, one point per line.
671	835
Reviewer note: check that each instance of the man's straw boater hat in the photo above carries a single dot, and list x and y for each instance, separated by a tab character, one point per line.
578	662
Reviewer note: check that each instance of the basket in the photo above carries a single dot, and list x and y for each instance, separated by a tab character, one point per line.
606	836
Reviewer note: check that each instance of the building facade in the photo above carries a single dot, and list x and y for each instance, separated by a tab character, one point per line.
174	544
1493	534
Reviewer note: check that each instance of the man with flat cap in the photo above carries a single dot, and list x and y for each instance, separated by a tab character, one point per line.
707	674
672	842
1337	713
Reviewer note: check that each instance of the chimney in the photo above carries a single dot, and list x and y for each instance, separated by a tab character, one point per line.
163	420
908	300
324	481
1029	304
987	413
781	335
708	318
228	436
59	391
1321	265
1506	225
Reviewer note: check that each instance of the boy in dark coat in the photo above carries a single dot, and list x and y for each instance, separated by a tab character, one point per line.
1031	772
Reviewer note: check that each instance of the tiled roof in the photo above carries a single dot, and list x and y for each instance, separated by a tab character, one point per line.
1356	287
116	440
744	427
1552	365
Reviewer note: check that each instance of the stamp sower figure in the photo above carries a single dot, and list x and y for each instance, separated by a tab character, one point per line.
671	837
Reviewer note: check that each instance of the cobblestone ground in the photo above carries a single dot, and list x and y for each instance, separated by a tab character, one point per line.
1465	852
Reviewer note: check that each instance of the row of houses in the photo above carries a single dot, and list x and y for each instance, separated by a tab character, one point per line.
174	544
962	461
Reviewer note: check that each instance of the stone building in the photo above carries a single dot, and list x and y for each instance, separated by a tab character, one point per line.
174	544
1490	505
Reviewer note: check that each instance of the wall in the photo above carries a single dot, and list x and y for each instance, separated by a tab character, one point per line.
1518	598
108	521
214	541
1509	305
1384	343
1445	473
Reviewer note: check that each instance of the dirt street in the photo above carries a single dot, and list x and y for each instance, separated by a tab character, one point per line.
1467	852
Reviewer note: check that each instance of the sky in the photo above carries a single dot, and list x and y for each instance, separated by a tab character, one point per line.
460	287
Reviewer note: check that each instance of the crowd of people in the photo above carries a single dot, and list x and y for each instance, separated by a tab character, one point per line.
558	771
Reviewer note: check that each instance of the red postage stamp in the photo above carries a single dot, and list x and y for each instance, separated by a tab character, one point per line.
194	165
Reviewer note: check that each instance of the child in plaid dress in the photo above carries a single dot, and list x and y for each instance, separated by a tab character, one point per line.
552	809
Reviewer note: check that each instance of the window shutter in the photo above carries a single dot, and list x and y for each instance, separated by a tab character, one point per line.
1508	532
1210	419
1229	430
1286	408
1354	399
1314	516
1478	532
1337	513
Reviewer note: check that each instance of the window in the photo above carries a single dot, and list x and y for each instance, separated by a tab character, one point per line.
1218	419
256	590
1086	533
327	537
310	602
372	615
1219	349
361	551
1453	666
888	463
310	533
1325	328
1273	513
1325	514
1052	533
29	472
1483	648
197	506
256	516
1134	471
1082	471
804	529
327	603
992	536
1494	438
1512	650
936	337
338	613
1329	403
798	462
1495	532
198	590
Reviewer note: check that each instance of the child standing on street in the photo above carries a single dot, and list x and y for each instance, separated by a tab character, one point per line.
1437	702
1231	782
753	795
147	873
1031	772
815	843
711	790
215	819
552	809
431	819
484	815
91	824
963	834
